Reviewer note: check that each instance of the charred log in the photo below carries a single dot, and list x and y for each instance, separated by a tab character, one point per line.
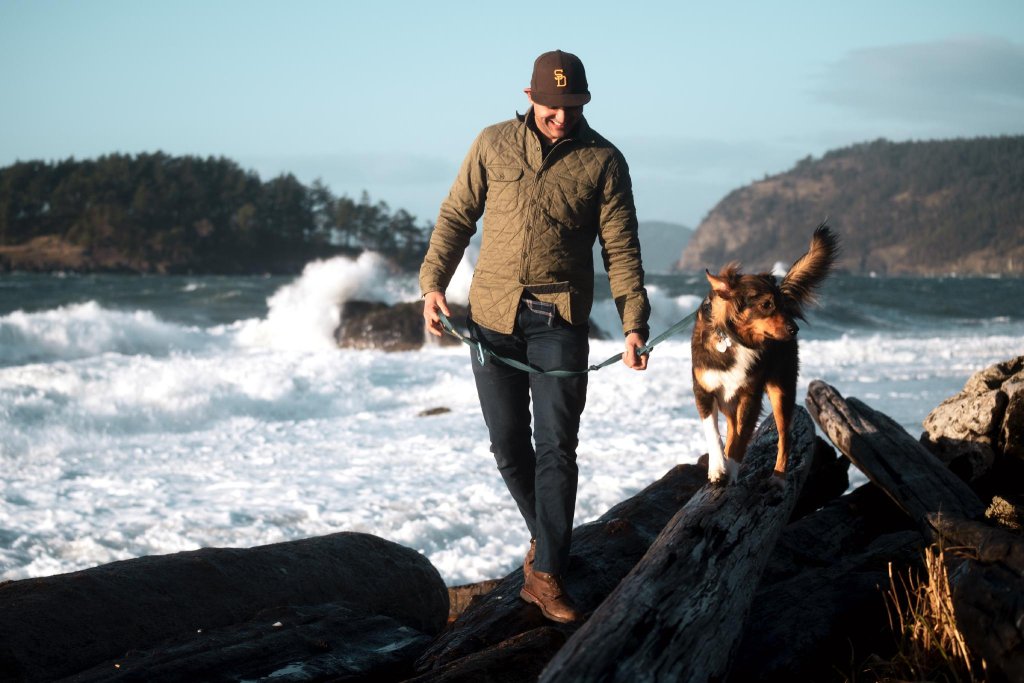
679	614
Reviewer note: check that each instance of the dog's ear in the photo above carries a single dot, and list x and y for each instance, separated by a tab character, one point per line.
719	285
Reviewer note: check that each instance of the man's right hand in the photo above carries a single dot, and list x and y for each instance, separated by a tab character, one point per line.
432	302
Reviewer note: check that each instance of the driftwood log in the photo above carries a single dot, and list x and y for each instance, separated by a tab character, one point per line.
679	614
58	626
519	659
841	528
801	627
899	465
602	553
820	595
327	642
986	589
338	608
987	584
491	641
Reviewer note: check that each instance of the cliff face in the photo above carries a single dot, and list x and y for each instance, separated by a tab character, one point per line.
915	208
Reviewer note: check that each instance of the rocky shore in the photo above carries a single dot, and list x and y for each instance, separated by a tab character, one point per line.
683	581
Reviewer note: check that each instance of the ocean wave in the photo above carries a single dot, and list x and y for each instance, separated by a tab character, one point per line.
85	330
666	310
303	315
123	435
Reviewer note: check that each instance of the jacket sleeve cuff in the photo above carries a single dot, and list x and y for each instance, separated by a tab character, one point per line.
644	332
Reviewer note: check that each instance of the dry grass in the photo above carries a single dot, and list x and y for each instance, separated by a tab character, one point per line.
929	645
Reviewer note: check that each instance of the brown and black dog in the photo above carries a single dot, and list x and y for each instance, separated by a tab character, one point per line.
744	344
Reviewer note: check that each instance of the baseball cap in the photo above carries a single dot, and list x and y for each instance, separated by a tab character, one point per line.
559	80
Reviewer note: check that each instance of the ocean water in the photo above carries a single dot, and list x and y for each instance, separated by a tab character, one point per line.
150	415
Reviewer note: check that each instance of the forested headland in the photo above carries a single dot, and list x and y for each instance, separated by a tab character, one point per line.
903	208
158	213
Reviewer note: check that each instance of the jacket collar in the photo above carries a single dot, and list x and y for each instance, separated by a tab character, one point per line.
581	133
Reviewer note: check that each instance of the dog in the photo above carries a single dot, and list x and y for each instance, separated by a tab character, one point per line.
744	344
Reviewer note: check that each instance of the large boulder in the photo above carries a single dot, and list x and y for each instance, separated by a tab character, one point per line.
61	625
984	421
376	325
399	327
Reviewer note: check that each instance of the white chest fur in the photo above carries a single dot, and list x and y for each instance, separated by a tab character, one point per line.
729	381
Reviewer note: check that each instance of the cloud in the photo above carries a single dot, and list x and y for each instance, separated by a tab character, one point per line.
959	86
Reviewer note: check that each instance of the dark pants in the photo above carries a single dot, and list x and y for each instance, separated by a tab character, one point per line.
543	480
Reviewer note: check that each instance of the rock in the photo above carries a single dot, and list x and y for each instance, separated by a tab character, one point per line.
376	325
399	327
57	626
973	429
1011	436
994	376
431	412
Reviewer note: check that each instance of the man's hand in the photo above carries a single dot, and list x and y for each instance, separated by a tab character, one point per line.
633	342
432	301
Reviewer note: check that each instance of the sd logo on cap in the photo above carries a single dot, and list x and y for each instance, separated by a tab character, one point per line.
559	80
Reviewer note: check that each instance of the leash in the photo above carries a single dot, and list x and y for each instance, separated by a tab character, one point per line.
483	353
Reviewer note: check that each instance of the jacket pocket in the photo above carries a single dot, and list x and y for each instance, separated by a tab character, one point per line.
503	188
569	202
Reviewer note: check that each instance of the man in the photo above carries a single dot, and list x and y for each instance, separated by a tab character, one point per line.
550	185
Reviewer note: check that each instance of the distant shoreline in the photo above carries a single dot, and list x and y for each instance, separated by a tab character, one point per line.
52	254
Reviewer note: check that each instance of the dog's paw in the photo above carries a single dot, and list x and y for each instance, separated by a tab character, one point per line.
778	479
718	475
733	469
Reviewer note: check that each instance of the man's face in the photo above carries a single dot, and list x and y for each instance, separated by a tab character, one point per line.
554	123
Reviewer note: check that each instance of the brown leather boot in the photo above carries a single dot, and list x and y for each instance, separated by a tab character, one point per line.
528	562
547	592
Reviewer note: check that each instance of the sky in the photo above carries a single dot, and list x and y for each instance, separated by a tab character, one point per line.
386	96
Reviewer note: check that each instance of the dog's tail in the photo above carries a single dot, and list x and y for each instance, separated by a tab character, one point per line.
811	269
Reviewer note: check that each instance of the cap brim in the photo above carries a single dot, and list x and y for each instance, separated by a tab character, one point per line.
560	99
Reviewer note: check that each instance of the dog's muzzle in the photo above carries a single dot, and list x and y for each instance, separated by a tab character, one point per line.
792	328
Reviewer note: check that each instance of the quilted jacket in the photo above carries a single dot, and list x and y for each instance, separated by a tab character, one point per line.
542	217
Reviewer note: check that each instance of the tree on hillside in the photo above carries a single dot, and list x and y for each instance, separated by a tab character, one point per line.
193	213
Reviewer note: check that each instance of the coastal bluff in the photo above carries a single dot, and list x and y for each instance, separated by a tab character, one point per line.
790	579
919	208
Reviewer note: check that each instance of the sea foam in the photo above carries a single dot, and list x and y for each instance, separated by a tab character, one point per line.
303	315
87	329
123	435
